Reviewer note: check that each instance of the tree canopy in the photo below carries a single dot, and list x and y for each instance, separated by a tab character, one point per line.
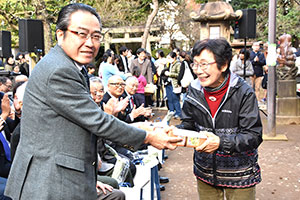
116	13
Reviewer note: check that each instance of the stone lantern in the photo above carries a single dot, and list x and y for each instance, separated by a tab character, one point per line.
215	17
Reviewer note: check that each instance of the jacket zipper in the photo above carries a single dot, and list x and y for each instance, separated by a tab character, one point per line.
213	121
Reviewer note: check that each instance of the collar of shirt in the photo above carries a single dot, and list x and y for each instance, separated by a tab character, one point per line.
128	95
124	59
112	95
141	61
78	66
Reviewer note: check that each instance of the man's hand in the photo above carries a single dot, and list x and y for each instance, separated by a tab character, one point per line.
109	107
121	105
5	107
159	138
211	144
103	187
148	112
167	73
137	111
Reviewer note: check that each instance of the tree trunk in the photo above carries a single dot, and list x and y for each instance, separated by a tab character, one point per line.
47	36
149	22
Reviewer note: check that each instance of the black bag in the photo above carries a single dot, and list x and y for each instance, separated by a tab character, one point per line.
264	82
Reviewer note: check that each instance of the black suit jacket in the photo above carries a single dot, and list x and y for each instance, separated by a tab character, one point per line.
120	116
122	66
128	110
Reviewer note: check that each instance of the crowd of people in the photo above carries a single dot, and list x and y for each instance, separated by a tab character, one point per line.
73	115
63	123
16	65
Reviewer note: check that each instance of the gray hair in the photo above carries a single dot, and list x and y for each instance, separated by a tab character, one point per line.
130	79
95	79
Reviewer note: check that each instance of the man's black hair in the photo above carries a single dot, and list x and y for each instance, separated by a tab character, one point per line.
140	50
63	20
123	49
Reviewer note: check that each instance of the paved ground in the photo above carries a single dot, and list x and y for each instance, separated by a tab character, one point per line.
279	161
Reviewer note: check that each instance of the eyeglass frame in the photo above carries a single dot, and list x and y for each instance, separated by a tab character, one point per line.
82	35
118	84
98	92
134	86
8	86
203	66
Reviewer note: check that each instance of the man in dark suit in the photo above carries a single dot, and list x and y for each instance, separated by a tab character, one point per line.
116	87
124	60
56	156
137	111
5	156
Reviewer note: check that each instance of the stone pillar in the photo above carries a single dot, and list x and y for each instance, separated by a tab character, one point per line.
204	33
288	105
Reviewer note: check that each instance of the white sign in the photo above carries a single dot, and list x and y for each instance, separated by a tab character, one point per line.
214	32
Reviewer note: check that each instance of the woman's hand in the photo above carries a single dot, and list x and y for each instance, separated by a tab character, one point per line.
211	144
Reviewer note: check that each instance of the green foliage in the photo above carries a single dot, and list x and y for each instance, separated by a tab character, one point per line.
165	50
123	12
287	19
12	11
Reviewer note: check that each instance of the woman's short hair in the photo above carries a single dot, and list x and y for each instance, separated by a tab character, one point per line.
136	71
247	54
106	56
220	48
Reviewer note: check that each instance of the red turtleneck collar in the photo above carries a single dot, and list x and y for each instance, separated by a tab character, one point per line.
214	98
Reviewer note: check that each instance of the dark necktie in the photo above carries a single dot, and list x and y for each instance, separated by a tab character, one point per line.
126	60
132	103
85	74
5	146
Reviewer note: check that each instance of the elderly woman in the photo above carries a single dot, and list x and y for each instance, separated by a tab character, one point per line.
225	107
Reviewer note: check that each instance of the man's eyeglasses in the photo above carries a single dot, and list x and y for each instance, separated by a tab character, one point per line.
134	86
96	37
203	66
118	84
98	92
8	86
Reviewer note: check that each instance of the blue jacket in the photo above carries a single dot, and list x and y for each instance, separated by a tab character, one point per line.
258	65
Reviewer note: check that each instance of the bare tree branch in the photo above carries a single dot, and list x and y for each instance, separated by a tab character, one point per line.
149	22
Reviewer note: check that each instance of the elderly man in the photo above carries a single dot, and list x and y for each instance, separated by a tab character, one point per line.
5	156
56	157
115	87
96	89
137	112
5	84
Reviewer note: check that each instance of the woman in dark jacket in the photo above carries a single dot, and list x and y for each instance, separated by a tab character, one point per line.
225	107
